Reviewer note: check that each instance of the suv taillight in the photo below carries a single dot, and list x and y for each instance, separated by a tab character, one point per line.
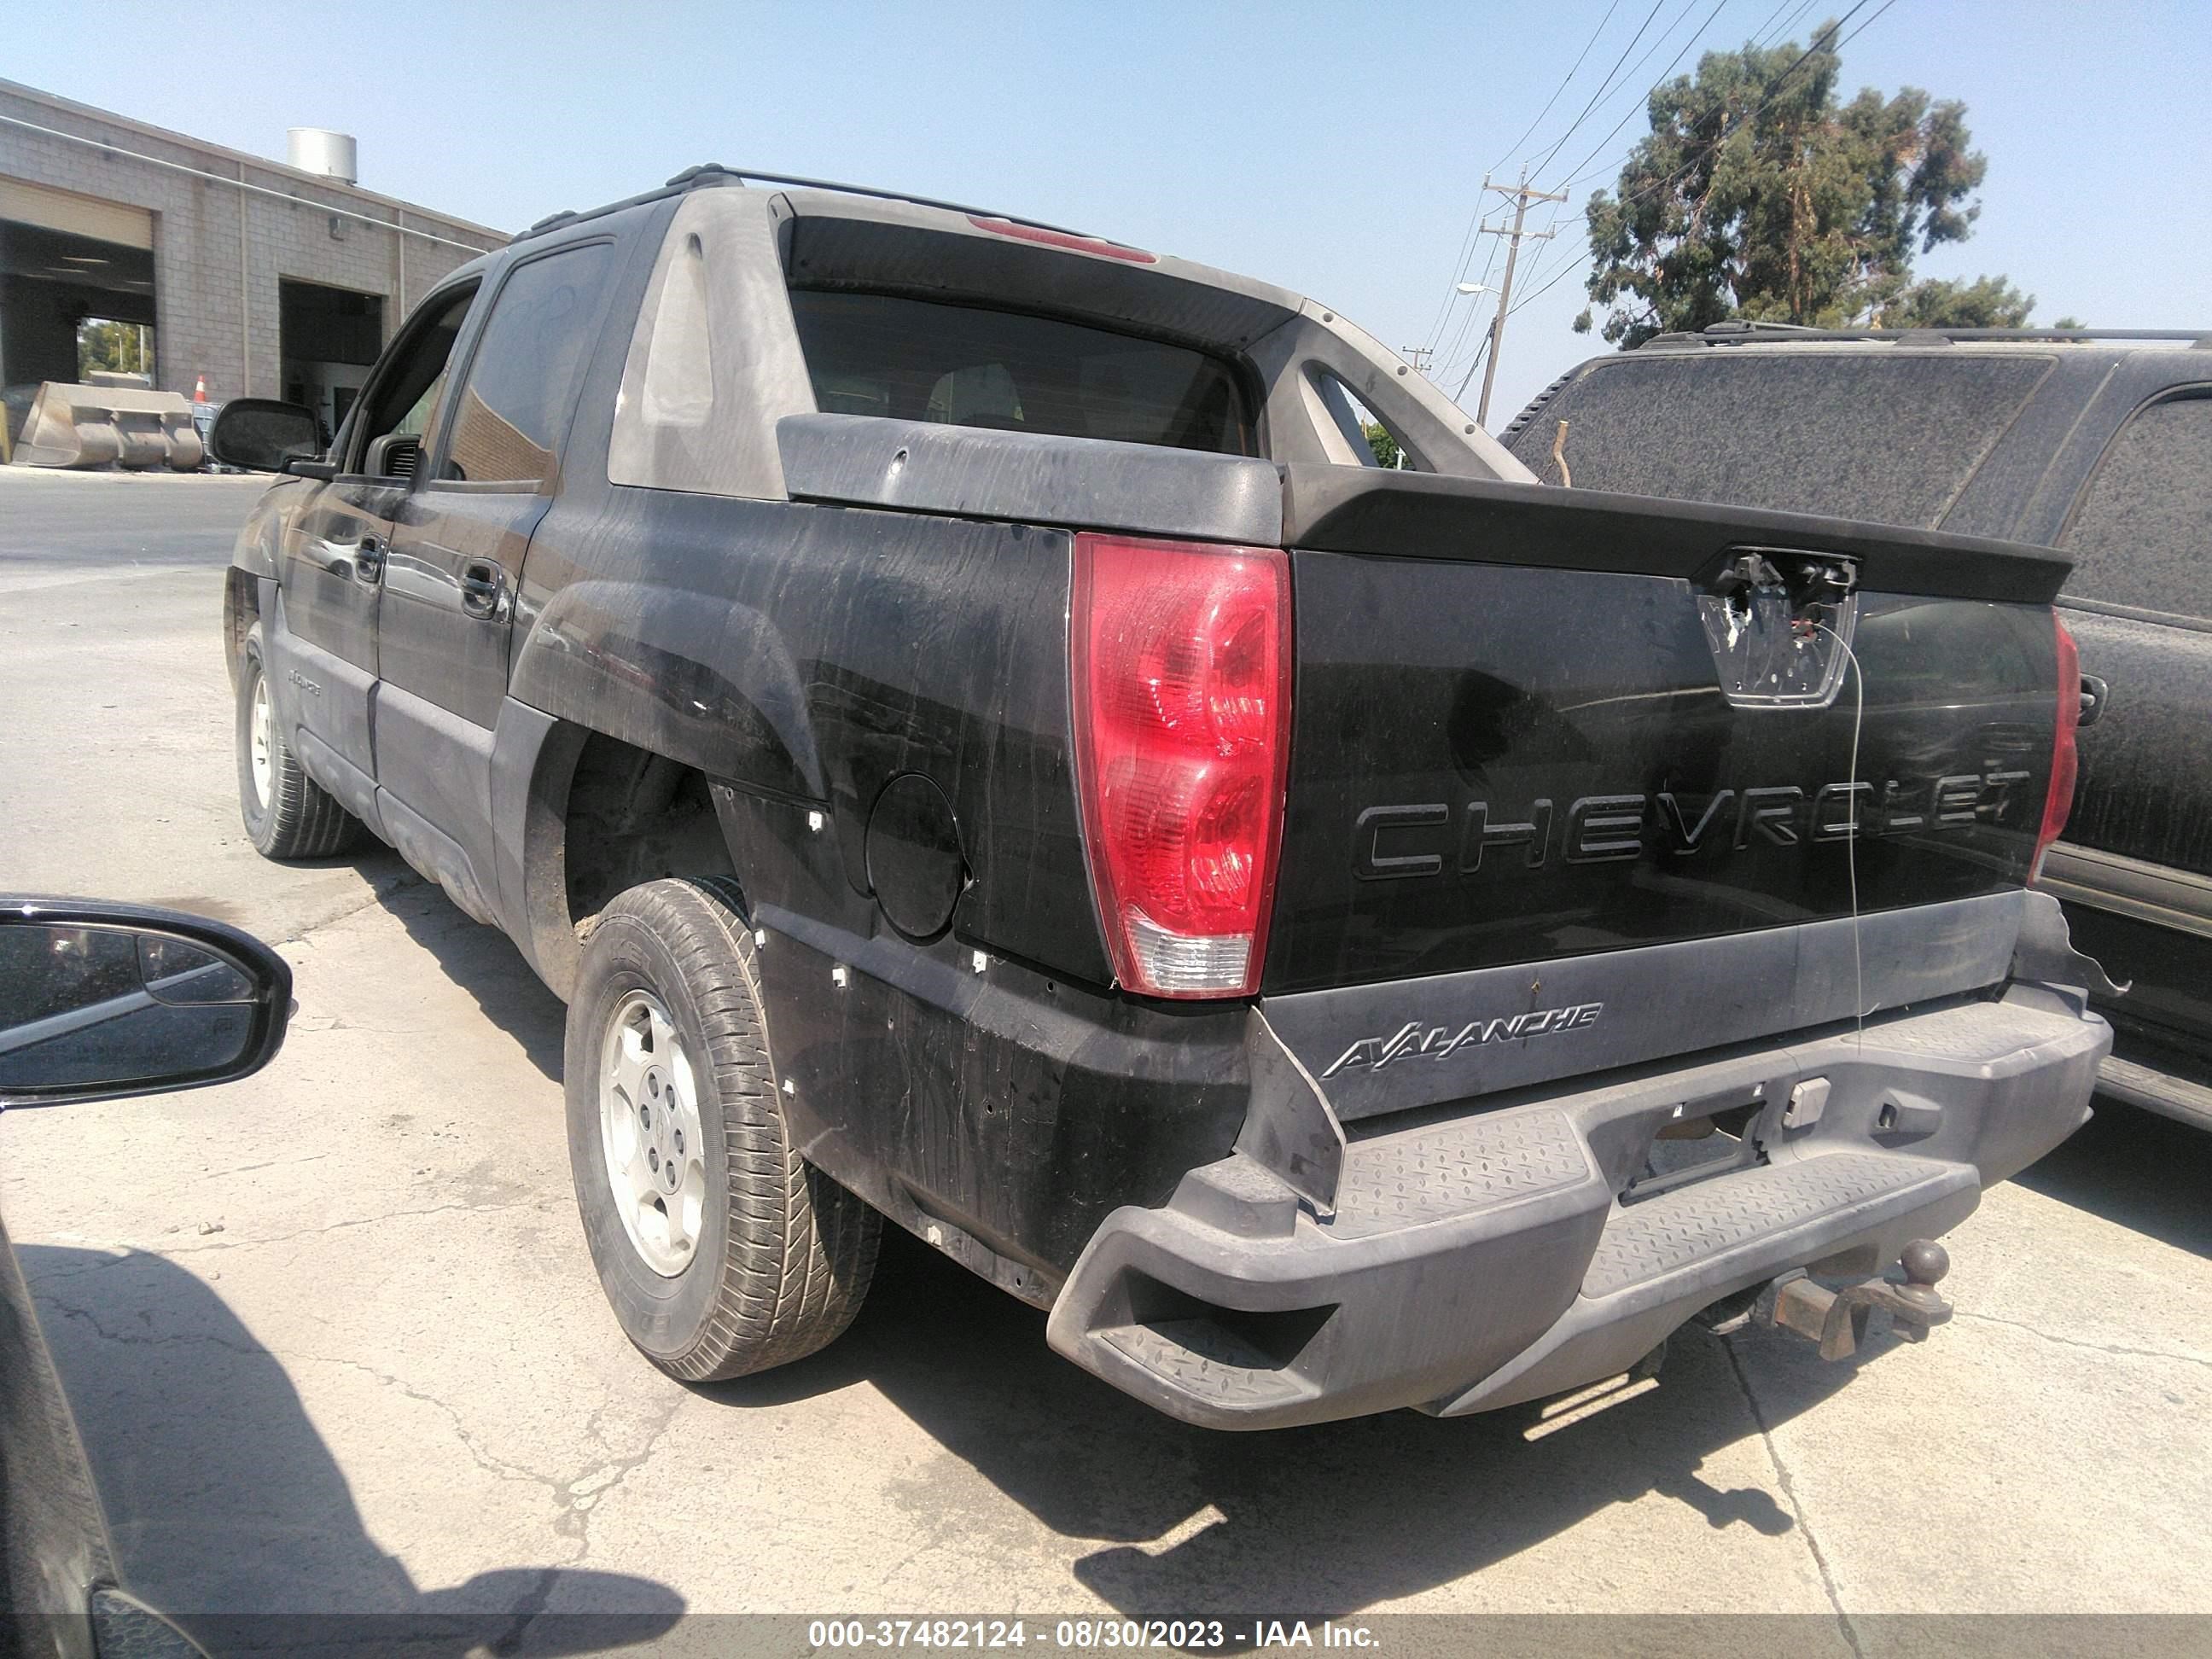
2058	799
1181	685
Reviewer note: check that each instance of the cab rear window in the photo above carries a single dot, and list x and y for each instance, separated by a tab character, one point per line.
918	359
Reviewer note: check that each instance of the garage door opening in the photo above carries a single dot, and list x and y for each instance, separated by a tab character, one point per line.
52	283
329	338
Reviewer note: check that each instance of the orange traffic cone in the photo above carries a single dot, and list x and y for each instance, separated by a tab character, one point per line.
199	390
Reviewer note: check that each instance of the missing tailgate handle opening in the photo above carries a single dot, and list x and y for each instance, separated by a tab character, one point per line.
1807	585
1775	618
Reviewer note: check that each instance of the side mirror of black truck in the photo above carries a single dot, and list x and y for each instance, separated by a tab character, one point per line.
264	435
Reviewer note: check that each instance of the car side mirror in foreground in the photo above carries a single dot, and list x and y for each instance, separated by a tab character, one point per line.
99	1000
264	435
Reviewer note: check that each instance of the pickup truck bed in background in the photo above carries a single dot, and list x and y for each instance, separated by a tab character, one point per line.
943	701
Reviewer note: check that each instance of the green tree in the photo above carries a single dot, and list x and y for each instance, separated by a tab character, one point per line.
1387	453
1760	195
1986	302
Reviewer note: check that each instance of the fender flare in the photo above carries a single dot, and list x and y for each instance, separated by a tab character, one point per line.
696	677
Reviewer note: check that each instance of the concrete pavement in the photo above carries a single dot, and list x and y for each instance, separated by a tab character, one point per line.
335	1344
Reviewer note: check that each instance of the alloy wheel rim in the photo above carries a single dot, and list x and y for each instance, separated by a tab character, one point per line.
259	740
649	1134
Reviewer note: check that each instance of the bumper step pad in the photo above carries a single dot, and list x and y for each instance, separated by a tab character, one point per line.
1667	1233
1207	1362
1435	1174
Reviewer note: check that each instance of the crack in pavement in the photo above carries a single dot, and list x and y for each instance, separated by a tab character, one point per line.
86	1316
485	1460
2084	1342
1789	1493
576	1495
576	1521
271	1163
172	1252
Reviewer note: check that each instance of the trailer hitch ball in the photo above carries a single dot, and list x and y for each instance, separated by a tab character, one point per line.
1836	1319
1925	1263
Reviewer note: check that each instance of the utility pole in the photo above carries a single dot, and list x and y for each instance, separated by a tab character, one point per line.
1419	356
1520	195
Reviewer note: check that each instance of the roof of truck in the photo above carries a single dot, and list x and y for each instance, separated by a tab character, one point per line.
712	175
1740	334
828	198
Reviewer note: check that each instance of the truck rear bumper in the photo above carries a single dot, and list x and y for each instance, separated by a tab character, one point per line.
1475	1260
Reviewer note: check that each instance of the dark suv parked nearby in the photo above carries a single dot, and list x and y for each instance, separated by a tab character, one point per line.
2097	443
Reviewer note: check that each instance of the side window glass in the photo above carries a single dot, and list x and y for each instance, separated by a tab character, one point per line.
513	410
416	421
406	395
2142	529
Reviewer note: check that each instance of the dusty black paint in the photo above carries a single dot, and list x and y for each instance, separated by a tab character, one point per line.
844	649
796	659
1536	757
1422	516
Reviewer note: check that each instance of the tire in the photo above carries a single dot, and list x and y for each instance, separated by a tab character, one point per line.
288	814
779	1257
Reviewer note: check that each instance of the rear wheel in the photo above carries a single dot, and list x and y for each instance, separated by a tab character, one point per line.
288	814
722	1250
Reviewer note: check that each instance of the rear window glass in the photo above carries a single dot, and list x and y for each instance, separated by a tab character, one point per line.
1887	438
916	360
2141	534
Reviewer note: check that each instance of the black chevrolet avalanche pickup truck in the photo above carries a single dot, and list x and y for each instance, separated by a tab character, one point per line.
952	708
2097	443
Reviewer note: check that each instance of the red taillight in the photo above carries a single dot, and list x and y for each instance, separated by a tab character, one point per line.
2065	761
1181	684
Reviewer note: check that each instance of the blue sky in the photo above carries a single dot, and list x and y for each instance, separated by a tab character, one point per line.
1335	149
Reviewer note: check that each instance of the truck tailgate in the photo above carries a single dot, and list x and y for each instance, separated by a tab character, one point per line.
1533	724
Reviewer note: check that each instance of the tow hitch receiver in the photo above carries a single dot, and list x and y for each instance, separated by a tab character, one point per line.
1836	1320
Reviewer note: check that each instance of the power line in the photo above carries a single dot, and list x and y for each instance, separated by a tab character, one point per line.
1641	102
1604	87
1767	37
1771	15
1582	168
1766	96
1862	28
1520	196
1544	256
1513	148
1474	219
1448	357
1461	263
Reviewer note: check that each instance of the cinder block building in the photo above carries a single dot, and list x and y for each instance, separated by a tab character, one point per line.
263	278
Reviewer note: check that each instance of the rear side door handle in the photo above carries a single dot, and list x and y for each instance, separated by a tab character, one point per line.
483	589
